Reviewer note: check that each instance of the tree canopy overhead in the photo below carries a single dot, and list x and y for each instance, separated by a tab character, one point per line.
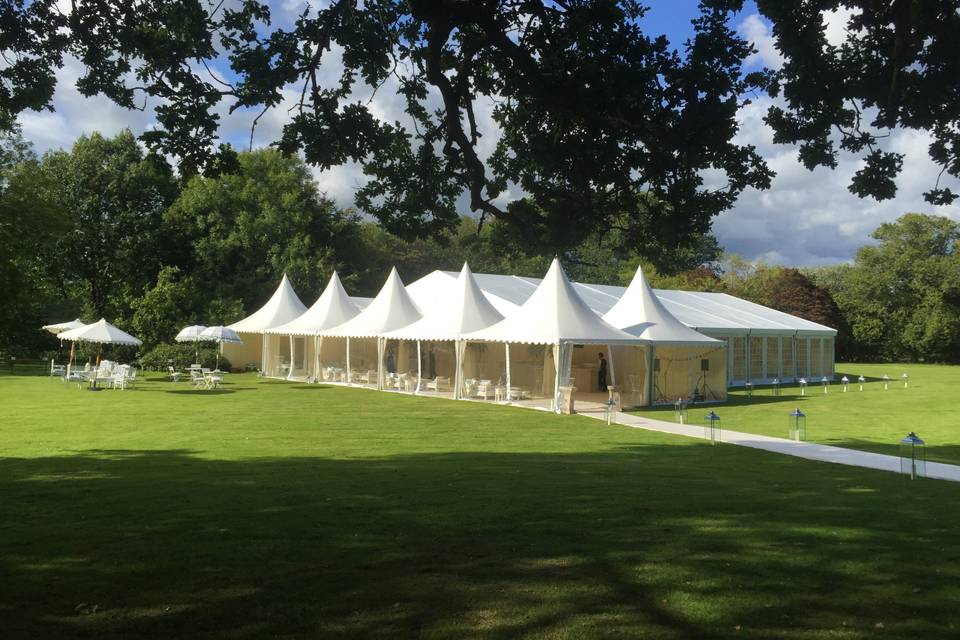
596	118
897	66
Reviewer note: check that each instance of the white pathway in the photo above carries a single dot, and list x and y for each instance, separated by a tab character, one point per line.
808	450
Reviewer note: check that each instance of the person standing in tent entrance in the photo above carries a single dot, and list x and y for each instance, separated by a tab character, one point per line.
602	373
432	363
391	363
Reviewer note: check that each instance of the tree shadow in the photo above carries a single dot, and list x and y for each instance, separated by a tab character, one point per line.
639	541
310	387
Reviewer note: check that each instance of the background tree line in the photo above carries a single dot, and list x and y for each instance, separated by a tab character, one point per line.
108	229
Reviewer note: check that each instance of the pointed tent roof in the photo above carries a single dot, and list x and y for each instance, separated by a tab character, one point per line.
464	309
282	307
331	309
554	313
639	312
100	331
391	309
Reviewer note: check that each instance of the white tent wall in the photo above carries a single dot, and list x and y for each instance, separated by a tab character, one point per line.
333	359
532	369
363	361
438	360
485	365
633	378
788	369
680	373
250	353
276	359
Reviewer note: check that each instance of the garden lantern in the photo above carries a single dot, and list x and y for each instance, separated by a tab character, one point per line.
749	386
711	427
845	380
798	425
776	386
803	386
861	380
913	457
886	382
906	379
824	382
611	409
680	407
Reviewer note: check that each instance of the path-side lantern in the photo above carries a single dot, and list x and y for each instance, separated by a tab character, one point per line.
776	386
803	386
906	379
913	456
611	410
861	380
845	380
886	382
711	427
680	408
798	425
825	383
749	386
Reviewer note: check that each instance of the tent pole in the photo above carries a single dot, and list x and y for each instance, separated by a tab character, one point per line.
613	374
554	405
349	372
290	370
458	372
419	370
506	348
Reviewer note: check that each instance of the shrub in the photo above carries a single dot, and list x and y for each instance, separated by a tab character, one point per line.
181	356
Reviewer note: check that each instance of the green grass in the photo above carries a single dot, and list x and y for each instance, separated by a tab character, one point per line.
294	511
871	420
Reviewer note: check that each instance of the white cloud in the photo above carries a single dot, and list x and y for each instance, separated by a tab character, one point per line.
756	31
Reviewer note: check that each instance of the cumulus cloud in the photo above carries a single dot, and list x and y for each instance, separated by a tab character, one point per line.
756	31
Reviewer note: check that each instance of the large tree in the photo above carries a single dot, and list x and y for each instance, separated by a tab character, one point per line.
114	196
898	66
598	123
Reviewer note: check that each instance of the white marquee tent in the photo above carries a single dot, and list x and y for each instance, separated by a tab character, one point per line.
333	308
282	307
685	363
391	309
554	315
462	310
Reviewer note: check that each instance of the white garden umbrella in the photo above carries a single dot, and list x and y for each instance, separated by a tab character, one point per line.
193	333
100	332
220	334
60	327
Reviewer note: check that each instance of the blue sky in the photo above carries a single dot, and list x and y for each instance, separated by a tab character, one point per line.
805	218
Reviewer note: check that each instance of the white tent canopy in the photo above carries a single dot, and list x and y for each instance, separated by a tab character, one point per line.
101	332
332	308
554	314
640	313
282	307
391	309
463	310
60	327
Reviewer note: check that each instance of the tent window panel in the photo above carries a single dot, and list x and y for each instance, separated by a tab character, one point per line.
803	368
828	357
532	370
756	357
816	360
673	374
333	359
739	358
439	360
584	369
363	361
299	352
711	375
787	357
773	357
484	366
632	376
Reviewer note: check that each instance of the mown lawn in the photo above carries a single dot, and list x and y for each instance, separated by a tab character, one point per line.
274	510
871	420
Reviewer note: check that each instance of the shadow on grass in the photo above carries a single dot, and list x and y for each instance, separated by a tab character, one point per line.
310	387
207	392
645	541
